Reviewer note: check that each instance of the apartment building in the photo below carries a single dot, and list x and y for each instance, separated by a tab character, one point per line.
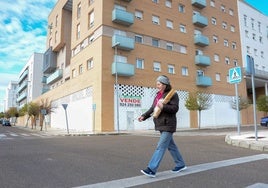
11	95
103	57
30	80
254	43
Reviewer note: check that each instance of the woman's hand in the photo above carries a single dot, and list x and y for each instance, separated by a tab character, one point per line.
141	118
160	103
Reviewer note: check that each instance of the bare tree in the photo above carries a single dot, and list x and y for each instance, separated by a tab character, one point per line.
198	101
46	108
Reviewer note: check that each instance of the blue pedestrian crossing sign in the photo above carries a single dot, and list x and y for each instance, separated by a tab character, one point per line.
235	75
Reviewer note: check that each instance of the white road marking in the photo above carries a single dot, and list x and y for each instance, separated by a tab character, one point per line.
141	180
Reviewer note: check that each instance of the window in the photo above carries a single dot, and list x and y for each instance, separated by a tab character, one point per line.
181	8
218	77
246	33
73	73
171	69
182	28
253	36
80	69
216	57
200	73
155	42
255	52
78	10
57	20
252	24
222	8
224	25
155	1
157	66
248	49
212	3
260	39
183	49
168	3
139	63
91	19
139	14
155	20
78	31
214	21
231	12
90	2
225	42
234	45
227	60
169	46
184	71
235	62
169	24
245	20
259	27
215	39
232	28
138	39
90	63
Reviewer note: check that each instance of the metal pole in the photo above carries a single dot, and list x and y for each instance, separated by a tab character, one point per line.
66	121
254	106
116	84
237	109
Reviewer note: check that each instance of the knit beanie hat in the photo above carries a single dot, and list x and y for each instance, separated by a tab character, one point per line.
163	79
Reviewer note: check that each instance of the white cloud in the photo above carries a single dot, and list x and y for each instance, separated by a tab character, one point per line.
23	27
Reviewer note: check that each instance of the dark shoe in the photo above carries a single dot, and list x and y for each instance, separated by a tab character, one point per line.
148	172
179	169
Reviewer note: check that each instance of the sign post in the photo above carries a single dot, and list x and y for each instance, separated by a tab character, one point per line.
65	109
235	77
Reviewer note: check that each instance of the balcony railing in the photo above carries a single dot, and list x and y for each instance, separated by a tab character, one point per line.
22	86
125	43
24	75
202	60
204	81
50	61
200	21
199	3
21	97
201	40
55	76
122	17
123	69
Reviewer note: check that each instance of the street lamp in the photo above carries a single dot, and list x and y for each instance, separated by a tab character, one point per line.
116	85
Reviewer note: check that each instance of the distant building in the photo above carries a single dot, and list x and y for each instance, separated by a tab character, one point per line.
103	57
30	84
11	95
254	42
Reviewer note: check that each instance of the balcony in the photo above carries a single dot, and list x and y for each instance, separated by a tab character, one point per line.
44	90
123	69
199	3
24	75
204	81
22	86
55	76
200	21
50	61
122	17
125	43
202	60
201	40
22	97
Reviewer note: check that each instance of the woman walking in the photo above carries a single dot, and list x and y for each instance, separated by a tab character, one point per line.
164	109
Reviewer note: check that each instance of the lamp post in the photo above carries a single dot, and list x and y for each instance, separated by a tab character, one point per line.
116	85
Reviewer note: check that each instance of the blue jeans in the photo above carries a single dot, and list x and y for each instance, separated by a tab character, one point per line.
165	142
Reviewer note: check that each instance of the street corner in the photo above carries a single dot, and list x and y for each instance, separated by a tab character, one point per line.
248	140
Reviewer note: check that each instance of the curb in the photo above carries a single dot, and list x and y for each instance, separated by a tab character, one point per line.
254	145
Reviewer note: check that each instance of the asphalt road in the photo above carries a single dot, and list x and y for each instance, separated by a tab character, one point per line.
109	160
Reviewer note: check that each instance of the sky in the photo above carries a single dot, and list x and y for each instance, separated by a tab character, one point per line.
23	27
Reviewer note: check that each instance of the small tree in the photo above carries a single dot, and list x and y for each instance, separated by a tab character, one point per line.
262	103
33	112
197	102
46	108
243	103
23	111
13	112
